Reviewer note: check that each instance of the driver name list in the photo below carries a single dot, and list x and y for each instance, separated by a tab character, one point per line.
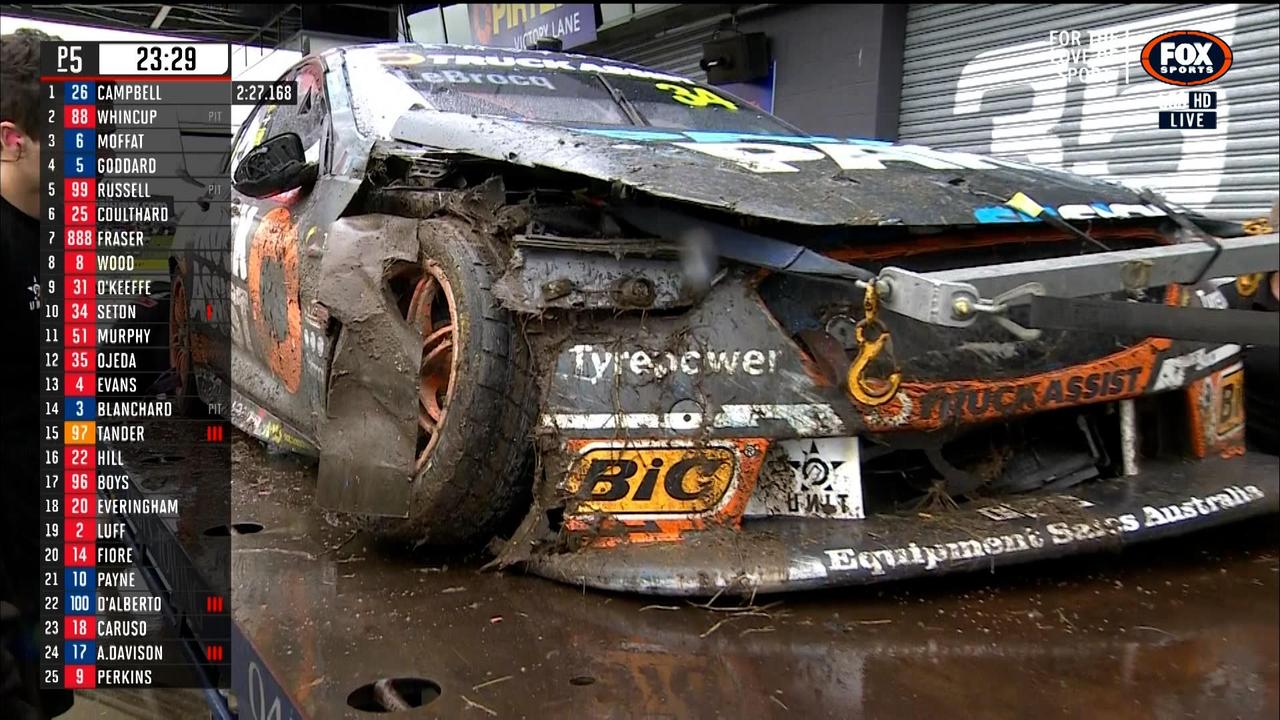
129	465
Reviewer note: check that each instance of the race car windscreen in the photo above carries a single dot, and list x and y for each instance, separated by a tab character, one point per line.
563	90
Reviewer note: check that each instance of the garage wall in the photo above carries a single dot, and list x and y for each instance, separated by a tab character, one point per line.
838	66
982	78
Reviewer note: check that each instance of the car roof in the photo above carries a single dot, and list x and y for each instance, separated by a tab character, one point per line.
488	49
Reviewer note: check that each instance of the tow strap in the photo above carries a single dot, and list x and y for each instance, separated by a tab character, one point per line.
1248	327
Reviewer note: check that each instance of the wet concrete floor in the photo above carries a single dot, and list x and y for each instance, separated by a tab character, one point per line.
1178	629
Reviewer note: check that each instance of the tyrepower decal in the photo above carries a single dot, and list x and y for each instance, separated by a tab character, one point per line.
1186	57
642	481
819	478
594	363
928	406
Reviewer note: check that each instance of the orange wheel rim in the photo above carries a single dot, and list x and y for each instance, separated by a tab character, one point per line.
432	312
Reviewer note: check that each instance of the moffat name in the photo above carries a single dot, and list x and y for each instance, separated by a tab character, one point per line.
592	363
1018	398
931	557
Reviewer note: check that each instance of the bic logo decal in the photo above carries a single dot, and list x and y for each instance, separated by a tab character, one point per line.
639	480
1186	57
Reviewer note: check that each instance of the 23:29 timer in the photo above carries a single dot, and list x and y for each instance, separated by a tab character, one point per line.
176	58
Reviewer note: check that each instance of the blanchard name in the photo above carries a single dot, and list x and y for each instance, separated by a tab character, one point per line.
133	213
128	116
129	604
123	336
122	238
120	141
109	579
121	678
130	653
135	408
129	92
124	190
122	433
137	506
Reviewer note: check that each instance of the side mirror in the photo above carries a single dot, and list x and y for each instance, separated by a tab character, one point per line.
277	165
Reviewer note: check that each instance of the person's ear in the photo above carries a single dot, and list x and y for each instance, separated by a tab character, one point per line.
12	141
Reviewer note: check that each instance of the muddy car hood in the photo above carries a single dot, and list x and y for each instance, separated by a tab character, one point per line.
806	180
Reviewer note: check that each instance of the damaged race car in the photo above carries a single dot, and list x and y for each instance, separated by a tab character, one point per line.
668	343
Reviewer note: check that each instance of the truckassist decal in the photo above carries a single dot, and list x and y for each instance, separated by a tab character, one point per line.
929	406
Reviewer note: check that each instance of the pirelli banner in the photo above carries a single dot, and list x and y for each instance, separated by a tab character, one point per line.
520	25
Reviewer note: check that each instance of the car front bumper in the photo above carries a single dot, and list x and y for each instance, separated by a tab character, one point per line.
789	554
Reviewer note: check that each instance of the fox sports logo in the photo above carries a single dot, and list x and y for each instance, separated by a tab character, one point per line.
1186	58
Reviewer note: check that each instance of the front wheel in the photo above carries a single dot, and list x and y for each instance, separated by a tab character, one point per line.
476	394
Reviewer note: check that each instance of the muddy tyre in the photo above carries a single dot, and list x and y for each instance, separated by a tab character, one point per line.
477	395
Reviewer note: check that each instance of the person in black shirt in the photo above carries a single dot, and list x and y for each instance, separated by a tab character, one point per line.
19	378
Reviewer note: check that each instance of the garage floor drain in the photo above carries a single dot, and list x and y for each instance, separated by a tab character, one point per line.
582	680
240	528
393	695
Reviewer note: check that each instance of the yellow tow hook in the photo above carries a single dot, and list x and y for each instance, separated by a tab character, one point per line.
871	391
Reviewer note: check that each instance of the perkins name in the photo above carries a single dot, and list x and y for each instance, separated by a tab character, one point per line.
108	678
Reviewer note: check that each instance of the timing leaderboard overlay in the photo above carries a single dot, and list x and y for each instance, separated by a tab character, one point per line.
135	479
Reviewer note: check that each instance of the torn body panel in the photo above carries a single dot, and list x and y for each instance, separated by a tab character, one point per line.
367	437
